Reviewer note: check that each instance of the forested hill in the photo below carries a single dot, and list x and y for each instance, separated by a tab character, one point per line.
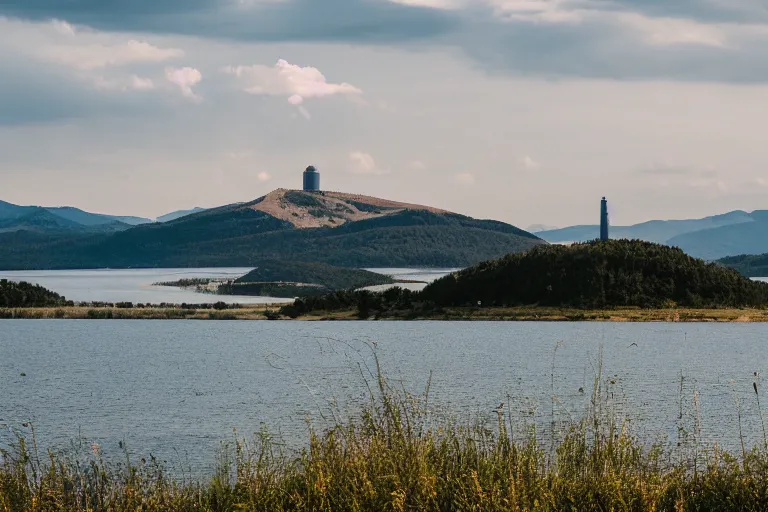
596	275
749	265
318	274
26	295
336	229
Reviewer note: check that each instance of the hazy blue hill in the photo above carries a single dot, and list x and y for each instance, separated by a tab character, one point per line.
12	211
538	228
94	219
73	219
659	231
238	235
712	244
179	214
39	220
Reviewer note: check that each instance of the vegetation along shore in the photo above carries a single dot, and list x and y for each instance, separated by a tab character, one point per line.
396	456
278	312
618	280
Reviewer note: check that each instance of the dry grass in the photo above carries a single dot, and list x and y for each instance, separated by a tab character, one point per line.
260	312
396	458
547	314
524	314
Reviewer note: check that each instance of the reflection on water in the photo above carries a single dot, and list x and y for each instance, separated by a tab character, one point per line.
178	388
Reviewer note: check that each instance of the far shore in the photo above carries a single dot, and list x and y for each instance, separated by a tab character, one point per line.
271	312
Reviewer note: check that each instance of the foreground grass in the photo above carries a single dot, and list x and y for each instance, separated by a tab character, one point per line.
525	314
396	458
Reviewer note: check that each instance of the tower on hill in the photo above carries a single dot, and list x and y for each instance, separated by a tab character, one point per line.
604	220
311	179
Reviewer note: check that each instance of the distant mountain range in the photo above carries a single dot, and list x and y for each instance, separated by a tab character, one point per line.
237	233
710	238
168	217
66	219
327	227
538	228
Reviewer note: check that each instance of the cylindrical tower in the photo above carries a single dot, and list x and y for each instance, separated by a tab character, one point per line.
311	179
604	220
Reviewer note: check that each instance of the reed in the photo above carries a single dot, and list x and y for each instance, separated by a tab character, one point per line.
397	457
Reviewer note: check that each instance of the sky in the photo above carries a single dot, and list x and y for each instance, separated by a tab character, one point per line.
524	111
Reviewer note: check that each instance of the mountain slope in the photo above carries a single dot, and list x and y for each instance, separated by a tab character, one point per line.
65	219
12	211
94	219
749	265
351	231
712	244
179	214
40	220
659	231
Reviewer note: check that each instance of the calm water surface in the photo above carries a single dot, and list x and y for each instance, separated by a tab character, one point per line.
177	389
136	285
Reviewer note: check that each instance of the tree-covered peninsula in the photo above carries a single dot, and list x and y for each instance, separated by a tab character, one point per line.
592	275
26	295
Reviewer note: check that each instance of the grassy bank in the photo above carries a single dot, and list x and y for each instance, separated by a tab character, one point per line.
397	458
523	314
261	312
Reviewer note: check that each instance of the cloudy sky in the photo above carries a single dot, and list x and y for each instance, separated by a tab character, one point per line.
526	111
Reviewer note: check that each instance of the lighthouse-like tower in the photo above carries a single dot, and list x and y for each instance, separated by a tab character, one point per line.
604	220
311	179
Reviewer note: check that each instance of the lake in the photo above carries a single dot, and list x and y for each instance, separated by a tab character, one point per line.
136	285
178	388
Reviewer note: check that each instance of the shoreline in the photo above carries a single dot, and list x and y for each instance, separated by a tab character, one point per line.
271	312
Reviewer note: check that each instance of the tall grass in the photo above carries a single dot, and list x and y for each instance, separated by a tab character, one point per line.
396	457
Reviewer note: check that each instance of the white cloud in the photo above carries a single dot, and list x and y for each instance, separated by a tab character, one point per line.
417	165
364	163
672	31
96	56
185	79
63	28
264	176
132	83
285	79
529	164
433	4
465	178
714	186
239	155
652	30
141	84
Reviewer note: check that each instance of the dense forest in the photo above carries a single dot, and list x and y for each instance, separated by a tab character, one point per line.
597	275
617	273
238	236
393	302
25	295
749	265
